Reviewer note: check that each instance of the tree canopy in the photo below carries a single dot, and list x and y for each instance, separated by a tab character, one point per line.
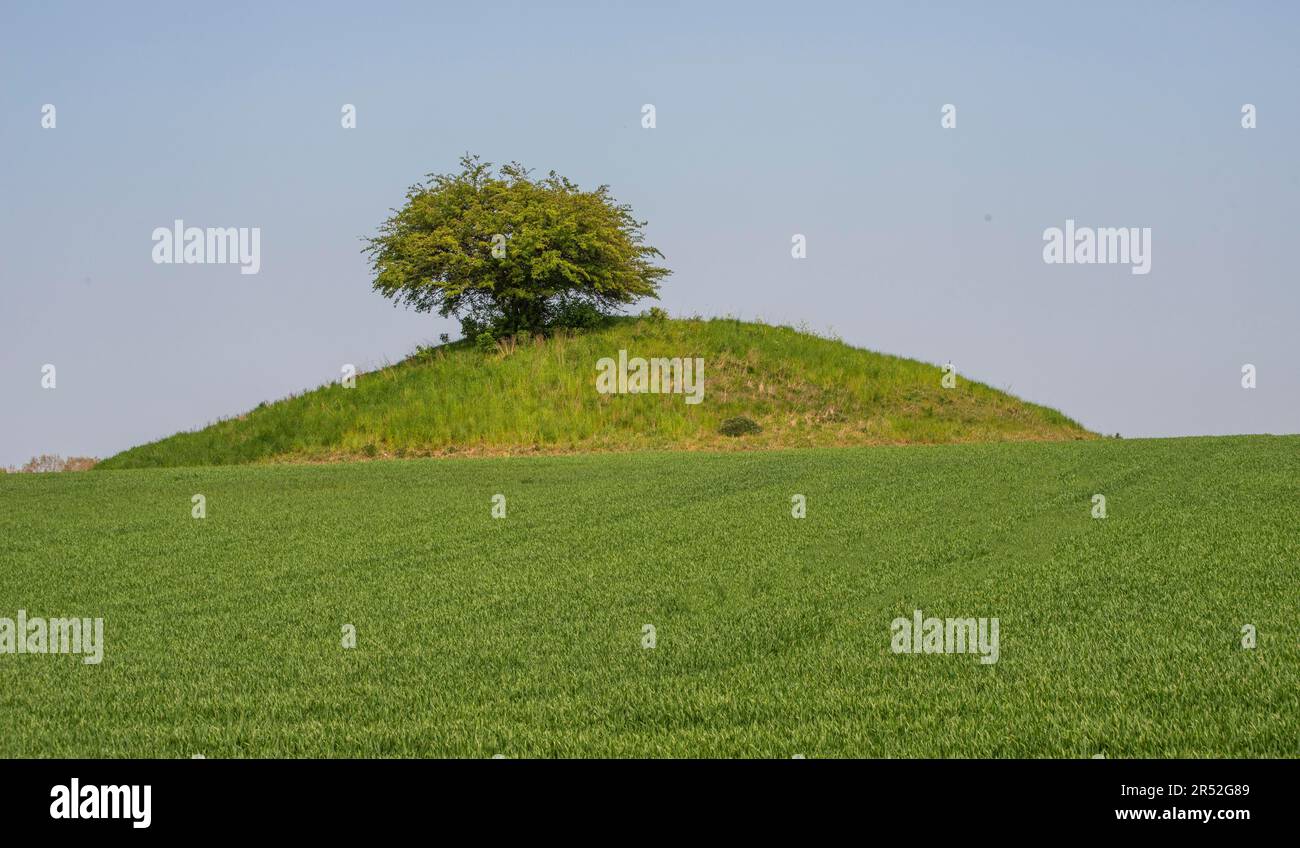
506	252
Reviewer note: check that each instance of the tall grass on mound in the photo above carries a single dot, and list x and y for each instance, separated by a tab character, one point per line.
539	394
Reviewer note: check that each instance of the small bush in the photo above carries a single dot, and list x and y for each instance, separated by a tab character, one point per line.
739	426
656	315
485	342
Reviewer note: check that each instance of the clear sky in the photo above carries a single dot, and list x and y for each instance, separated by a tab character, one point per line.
815	118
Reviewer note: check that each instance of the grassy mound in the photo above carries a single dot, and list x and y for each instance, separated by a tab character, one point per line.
540	396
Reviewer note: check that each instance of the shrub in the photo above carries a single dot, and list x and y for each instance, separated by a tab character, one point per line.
739	426
656	315
53	463
576	315
485	342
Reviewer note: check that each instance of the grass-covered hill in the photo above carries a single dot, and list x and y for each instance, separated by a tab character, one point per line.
540	396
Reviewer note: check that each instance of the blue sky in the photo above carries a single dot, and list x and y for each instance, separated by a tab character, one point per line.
811	118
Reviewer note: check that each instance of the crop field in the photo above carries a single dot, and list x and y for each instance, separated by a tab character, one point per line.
526	635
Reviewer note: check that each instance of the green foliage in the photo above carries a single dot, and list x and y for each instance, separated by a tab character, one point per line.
739	426
470	327
656	314
481	636
485	342
505	248
803	390
576	315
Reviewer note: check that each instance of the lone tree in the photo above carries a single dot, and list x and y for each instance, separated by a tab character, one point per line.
508	253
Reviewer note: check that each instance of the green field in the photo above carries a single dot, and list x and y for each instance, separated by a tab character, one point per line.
522	636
